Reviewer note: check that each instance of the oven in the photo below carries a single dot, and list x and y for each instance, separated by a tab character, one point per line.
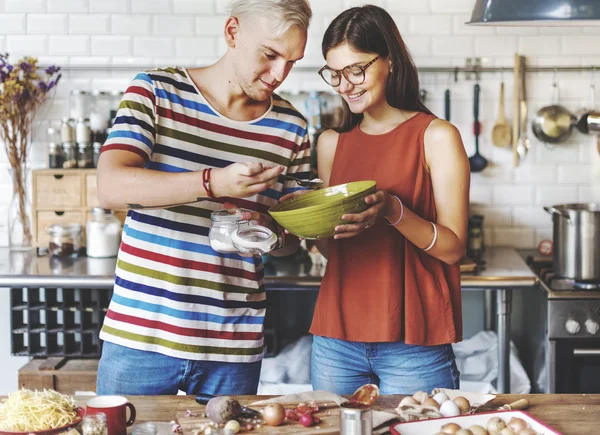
570	348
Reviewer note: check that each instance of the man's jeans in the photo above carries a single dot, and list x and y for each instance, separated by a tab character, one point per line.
342	366
134	372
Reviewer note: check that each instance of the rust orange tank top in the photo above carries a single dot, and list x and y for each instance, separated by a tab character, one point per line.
378	286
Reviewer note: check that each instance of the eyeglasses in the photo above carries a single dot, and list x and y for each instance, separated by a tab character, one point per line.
354	74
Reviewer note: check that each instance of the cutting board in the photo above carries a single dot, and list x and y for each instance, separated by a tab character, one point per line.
329	423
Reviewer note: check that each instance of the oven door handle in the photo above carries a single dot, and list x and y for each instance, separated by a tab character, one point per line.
586	352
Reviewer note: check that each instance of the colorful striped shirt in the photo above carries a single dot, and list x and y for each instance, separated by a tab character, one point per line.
173	293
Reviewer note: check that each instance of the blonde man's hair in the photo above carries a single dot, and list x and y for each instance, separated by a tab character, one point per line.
284	13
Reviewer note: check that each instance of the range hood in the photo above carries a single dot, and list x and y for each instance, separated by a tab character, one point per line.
526	13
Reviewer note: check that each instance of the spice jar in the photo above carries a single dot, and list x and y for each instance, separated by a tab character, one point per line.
96	147
475	241
94	424
55	155
79	104
230	233
67	132
83	133
65	240
70	155
103	231
85	156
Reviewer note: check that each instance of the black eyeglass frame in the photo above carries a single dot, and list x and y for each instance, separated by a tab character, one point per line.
343	72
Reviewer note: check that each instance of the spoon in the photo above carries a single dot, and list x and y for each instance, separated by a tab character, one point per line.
315	183
501	133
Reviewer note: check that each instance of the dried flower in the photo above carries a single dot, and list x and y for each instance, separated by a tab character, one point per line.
22	91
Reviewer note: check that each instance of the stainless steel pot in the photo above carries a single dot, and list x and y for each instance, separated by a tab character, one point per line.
576	232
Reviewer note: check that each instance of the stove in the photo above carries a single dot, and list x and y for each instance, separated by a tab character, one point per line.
572	341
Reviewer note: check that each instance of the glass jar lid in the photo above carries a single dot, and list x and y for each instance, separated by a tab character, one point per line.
228	217
254	239
64	229
99	211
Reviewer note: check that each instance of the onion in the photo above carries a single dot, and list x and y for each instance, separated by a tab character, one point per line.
274	414
477	430
506	431
307	419
517	424
450	428
527	431
290	414
495	425
464	432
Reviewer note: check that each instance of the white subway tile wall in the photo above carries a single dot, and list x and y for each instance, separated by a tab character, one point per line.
148	33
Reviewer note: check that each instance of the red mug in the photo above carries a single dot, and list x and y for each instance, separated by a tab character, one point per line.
115	409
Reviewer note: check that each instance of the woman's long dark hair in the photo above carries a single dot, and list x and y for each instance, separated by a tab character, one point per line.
370	29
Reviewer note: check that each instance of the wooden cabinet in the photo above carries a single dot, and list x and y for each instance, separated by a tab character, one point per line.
62	196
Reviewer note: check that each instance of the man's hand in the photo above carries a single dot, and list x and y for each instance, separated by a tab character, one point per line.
243	180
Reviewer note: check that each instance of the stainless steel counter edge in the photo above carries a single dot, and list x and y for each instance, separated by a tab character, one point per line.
505	268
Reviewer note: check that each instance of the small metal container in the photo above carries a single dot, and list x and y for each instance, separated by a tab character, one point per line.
356	421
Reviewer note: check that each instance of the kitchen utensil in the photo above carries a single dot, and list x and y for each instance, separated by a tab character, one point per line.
477	161
576	234
516	405
447	105
553	124
203	399
516	130
315	214
315	183
523	146
501	133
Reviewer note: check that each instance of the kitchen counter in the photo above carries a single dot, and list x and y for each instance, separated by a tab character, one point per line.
503	272
573	414
504	267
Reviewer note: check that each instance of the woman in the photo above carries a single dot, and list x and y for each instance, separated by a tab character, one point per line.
390	302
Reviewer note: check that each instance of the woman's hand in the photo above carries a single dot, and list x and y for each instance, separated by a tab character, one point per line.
381	207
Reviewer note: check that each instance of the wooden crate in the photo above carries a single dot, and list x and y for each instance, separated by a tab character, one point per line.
64	375
63	196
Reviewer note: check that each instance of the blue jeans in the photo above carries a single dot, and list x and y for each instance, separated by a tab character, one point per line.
342	366
135	372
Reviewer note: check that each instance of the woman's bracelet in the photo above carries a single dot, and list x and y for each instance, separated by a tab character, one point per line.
206	182
435	232
401	212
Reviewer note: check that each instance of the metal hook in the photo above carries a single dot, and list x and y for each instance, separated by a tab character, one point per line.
455	74
554	77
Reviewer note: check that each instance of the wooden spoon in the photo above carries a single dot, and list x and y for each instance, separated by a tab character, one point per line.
501	133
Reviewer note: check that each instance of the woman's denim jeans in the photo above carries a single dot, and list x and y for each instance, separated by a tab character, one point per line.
135	372
342	366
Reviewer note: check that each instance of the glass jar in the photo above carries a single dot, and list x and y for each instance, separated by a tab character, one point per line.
147	428
55	155
96	146
100	112
475	241
83	133
65	240
70	155
79	104
103	231
67	132
94	424
231	233
85	155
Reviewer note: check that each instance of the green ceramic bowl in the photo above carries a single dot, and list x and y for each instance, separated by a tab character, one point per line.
315	214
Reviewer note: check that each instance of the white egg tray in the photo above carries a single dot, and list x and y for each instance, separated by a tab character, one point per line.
431	427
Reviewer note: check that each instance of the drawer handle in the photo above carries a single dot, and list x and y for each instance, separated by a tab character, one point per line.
58	176
59	213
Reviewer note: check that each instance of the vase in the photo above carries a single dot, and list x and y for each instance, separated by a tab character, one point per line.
20	234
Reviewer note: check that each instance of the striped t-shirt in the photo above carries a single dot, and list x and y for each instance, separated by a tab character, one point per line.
173	293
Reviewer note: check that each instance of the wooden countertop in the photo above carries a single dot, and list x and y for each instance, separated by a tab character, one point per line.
571	414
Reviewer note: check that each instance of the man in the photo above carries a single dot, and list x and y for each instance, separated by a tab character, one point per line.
186	142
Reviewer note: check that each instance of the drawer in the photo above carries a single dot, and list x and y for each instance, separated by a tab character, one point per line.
47	218
58	191
91	191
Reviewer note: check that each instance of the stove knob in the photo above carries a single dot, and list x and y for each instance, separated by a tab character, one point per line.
591	326
572	326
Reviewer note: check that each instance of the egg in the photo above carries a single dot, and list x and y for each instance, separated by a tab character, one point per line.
440	397
463	404
449	409
408	400
430	402
420	396
450	428
477	430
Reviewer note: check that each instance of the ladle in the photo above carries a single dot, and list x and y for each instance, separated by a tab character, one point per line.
477	161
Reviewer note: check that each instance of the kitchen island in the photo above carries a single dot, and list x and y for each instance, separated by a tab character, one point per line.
504	272
573	414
